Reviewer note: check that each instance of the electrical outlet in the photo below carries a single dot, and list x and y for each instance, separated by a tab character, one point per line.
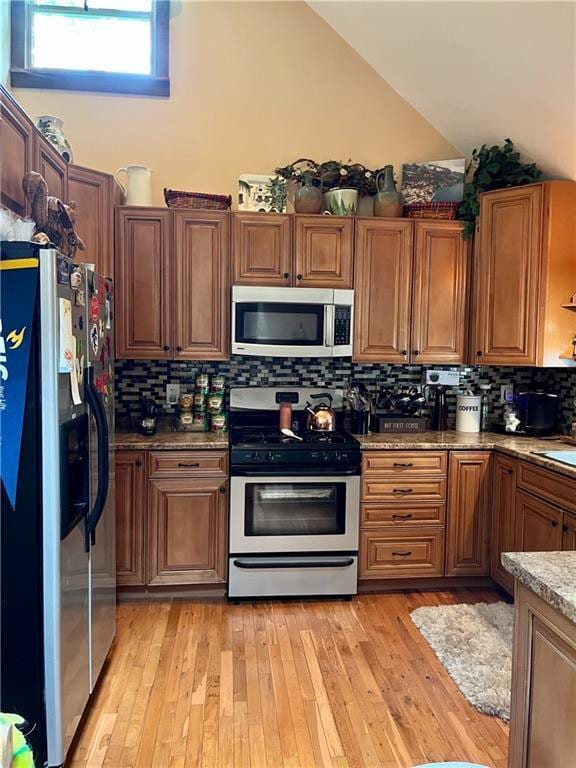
172	394
442	378
506	393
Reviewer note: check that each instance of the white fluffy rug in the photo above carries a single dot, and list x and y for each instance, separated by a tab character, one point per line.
474	643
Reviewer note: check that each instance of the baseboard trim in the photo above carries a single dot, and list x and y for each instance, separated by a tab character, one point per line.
163	592
441	583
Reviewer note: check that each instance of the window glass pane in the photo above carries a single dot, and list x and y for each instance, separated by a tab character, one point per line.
85	43
60	3
122	5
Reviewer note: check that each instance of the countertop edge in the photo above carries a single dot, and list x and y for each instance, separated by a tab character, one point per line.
550	592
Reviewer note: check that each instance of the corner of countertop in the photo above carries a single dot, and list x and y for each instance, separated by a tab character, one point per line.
550	575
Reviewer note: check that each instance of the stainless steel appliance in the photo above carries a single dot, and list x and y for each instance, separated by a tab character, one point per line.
292	322
294	511
58	529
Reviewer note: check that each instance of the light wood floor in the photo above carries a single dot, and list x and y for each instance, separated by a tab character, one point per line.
282	684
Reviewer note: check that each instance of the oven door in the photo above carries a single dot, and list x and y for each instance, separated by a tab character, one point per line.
294	514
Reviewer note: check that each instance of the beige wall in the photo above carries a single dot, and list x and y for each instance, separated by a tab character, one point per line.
254	86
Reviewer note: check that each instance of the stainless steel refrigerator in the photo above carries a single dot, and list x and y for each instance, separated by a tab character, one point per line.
58	566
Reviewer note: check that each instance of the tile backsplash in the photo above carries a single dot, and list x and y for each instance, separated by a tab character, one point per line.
137	378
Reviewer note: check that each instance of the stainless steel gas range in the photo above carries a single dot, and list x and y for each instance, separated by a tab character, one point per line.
294	510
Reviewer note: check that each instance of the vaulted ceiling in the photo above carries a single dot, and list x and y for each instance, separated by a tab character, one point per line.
477	71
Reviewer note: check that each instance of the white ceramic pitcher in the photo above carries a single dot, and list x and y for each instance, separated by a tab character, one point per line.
138	188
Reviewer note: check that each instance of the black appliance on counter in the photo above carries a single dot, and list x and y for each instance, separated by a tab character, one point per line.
294	502
538	412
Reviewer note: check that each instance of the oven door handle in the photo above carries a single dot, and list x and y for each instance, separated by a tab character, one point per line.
259	563
291	472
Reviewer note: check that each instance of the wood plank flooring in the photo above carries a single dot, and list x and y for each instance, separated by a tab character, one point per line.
287	684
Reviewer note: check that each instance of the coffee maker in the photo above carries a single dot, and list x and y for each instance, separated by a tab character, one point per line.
437	405
148	421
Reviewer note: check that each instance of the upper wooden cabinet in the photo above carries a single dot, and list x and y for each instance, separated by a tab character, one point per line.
383	285
524	272
281	249
440	293
262	248
468	514
50	164
201	285
94	195
16	153
323	251
172	284
503	537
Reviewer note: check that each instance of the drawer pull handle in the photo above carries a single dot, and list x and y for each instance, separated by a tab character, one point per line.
184	464
554	523
403	517
401	465
403	490
402	554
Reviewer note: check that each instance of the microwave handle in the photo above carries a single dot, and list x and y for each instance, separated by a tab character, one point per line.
329	320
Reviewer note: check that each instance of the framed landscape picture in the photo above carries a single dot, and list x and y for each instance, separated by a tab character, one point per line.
434	181
261	192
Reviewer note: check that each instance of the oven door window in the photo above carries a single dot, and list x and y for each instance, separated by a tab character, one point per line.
273	323
295	509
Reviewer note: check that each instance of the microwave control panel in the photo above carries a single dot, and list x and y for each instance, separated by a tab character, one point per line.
342	326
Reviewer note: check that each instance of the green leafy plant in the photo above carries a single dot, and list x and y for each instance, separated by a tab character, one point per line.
332	175
492	168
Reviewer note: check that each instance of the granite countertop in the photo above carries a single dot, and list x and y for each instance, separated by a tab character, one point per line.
518	447
551	575
167	439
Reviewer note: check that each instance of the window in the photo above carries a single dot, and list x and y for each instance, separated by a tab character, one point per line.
118	46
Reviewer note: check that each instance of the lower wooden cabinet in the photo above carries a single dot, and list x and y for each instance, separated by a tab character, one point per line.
187	531
503	538
130	517
569	532
468	514
413	552
538	524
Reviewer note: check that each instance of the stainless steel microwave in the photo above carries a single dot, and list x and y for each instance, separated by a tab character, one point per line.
292	322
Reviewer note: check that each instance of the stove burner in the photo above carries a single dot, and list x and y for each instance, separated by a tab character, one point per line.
246	435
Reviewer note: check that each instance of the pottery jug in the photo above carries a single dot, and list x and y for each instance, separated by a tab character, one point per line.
52	128
388	201
138	188
308	198
341	201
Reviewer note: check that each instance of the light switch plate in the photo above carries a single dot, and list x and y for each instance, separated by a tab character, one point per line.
506	393
172	394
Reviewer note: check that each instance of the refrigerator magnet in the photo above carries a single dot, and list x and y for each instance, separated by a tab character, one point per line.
76	278
79	298
62	271
94	309
67	344
94	339
101	328
108	315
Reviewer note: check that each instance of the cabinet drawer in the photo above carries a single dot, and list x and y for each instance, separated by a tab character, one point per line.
187	463
547	485
403	489
389	555
395	515
396	463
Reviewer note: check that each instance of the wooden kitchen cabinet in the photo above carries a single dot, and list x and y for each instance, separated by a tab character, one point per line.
440	293
411	552
172	284
503	537
542	733
17	134
187	531
95	195
383	268
538	524
143	283
201	285
262	249
569	532
323	251
468	514
52	166
130	517
523	274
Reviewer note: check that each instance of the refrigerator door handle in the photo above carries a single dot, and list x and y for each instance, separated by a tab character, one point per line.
95	402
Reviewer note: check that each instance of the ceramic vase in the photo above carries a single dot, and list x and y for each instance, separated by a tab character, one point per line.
341	202
138	187
52	128
388	201
308	198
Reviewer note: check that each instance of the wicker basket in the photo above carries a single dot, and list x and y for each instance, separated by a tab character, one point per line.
431	210
177	199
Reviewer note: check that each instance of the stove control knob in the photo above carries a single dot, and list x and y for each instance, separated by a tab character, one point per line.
255	457
271	456
324	456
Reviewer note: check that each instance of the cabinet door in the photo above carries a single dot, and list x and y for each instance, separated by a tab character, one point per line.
201	286
130	516
507	276
439	306
143	293
323	251
538	525
16	151
468	514
50	164
91	191
503	518
187	531
382	296
569	532
262	249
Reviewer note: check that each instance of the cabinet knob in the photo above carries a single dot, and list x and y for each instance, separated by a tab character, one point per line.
298	277
222	489
565	528
415	351
479	353
554	523
166	348
404	353
178	349
138	463
286	275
